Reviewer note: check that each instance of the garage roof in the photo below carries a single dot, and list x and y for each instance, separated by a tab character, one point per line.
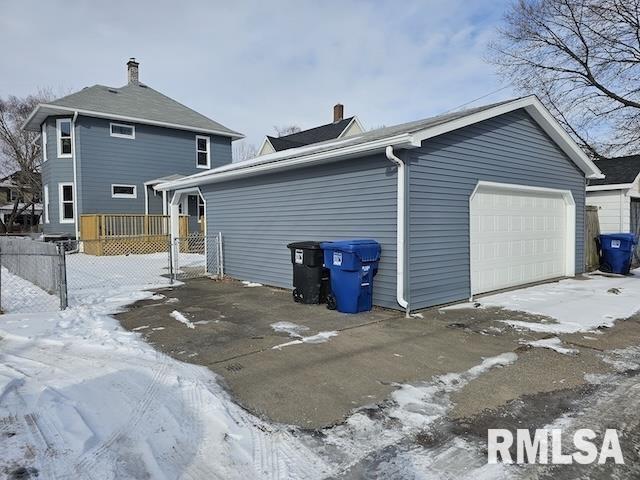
406	135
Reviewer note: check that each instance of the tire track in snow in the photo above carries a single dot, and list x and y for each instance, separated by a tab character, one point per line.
90	459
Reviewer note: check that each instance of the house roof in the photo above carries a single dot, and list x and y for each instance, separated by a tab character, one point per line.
406	135
323	133
618	171
133	102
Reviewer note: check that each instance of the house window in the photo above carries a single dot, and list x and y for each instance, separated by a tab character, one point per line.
123	131
13	195
43	138
66	202
202	152
123	191
46	203
63	128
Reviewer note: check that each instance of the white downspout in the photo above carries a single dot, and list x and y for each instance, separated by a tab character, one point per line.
76	214
400	230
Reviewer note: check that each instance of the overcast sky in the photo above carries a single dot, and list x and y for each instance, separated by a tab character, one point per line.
253	65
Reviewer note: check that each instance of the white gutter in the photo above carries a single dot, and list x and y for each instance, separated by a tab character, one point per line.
126	118
400	230
611	186
76	214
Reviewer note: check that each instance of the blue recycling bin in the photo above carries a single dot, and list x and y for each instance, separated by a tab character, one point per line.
352	264
616	252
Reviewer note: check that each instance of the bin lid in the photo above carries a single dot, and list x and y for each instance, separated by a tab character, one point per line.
629	237
366	249
306	245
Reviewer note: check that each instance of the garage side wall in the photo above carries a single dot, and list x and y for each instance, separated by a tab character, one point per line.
259	216
510	148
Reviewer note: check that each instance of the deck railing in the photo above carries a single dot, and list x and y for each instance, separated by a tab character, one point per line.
115	234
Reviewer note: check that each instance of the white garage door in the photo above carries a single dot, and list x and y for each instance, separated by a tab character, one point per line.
519	236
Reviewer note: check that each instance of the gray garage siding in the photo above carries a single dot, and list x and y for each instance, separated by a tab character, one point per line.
259	216
443	172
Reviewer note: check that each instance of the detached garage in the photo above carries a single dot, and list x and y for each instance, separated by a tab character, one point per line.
463	203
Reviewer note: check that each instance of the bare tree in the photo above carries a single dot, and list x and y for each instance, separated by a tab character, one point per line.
286	130
20	154
582	58
242	150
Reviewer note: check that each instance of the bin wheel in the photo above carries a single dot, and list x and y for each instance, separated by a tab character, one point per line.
297	295
331	302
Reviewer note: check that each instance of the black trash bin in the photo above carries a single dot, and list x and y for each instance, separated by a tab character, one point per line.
310	278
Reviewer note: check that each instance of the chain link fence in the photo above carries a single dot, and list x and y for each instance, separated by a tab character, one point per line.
32	276
38	276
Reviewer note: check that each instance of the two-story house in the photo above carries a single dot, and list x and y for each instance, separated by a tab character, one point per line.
105	148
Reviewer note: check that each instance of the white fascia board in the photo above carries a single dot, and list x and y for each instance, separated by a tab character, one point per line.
613	186
56	109
540	114
346	129
269	163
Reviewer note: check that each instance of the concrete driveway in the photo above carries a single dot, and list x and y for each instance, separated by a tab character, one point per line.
227	327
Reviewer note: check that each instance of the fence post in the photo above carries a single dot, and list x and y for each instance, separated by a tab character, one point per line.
170	262
220	256
62	283
0	279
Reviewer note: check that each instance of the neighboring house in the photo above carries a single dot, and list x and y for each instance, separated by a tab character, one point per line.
9	193
463	203
617	196
339	128
105	148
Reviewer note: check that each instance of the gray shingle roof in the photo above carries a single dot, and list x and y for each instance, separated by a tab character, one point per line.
330	131
618	170
141	102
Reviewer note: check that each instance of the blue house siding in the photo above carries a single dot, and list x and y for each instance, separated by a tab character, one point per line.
259	216
155	152
55	171
510	148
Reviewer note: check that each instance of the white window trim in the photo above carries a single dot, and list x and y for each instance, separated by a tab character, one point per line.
43	138
198	203
123	195
120	135
61	218
59	137
208	139
45	200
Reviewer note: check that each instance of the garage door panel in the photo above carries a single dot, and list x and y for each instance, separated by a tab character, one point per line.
516	237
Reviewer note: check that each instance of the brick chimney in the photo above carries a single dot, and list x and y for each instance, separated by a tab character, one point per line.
338	112
132	71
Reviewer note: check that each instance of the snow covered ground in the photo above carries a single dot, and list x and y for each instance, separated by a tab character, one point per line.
575	305
81	397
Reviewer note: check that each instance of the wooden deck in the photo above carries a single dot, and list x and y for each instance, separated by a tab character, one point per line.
123	234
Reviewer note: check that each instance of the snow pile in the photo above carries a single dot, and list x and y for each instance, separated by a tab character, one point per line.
576	305
251	284
182	319
319	337
89	399
413	409
553	343
290	328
